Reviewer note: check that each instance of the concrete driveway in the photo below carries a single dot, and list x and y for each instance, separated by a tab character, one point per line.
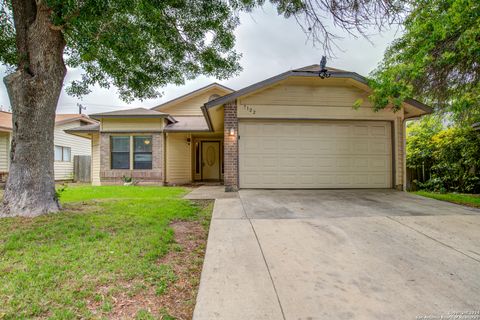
339	254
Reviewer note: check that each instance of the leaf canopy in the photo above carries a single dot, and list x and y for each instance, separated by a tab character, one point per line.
436	60
141	45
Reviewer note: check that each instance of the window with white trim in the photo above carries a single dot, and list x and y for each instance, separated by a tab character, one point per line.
63	154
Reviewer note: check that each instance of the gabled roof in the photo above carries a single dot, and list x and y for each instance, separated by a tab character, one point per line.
6	119
192	94
132	113
308	71
90	128
66	118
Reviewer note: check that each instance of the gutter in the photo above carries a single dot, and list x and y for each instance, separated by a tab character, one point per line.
207	117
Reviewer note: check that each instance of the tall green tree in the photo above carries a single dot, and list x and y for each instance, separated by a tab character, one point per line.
136	46
437	59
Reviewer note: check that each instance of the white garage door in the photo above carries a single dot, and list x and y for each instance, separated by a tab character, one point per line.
315	154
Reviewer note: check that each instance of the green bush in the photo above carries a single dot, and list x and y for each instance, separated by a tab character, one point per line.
449	158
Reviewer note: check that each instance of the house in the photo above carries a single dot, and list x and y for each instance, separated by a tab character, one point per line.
294	130
66	145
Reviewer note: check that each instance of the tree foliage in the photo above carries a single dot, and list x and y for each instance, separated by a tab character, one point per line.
436	60
448	157
141	45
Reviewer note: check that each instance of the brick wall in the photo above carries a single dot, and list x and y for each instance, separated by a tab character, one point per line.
153	176
230	147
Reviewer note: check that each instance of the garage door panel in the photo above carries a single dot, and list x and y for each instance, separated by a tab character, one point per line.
315	154
360	130
360	146
379	147
289	162
379	131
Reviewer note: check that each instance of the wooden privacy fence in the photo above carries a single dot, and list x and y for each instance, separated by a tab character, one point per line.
82	168
419	174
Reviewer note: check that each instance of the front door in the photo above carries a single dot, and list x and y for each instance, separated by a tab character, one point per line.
211	160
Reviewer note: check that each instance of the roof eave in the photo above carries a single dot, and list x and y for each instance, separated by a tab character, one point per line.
98	117
232	96
186	130
82	134
58	123
207	118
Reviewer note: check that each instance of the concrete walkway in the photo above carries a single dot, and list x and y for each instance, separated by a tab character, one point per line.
317	260
210	193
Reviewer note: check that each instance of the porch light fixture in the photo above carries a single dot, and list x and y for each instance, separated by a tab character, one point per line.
146	141
323	73
232	131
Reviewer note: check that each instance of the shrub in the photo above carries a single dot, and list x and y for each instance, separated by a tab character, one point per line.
450	157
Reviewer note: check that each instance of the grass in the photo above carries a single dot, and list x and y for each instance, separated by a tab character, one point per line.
72	264
471	200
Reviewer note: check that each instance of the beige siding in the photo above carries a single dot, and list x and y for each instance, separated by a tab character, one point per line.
179	158
132	124
96	159
313	94
250	111
311	98
217	116
78	145
191	106
4	151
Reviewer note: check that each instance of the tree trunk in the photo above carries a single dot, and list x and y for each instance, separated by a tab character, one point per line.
33	89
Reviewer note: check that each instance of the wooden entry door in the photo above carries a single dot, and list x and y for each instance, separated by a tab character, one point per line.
211	160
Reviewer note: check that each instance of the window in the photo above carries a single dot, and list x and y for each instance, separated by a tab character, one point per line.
63	154
142	152
120	152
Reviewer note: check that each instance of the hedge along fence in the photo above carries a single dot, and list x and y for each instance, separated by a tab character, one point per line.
443	160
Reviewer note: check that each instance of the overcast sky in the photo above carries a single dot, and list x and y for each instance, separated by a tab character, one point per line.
270	45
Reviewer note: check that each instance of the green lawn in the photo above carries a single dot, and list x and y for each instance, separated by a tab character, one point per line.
470	200
107	243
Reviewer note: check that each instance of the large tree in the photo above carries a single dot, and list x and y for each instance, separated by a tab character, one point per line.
437	59
136	46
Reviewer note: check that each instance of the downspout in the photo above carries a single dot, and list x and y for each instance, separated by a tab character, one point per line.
164	157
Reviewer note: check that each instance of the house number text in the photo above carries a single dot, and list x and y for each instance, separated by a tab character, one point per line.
249	109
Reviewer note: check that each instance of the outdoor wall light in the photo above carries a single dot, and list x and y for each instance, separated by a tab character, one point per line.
232	131
189	140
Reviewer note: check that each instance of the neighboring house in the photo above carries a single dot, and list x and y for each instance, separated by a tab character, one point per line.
66	145
294	130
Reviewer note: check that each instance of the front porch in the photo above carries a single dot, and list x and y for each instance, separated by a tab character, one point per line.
193	158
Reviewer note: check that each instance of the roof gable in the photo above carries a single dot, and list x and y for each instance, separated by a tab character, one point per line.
130	113
309	71
60	119
190	103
